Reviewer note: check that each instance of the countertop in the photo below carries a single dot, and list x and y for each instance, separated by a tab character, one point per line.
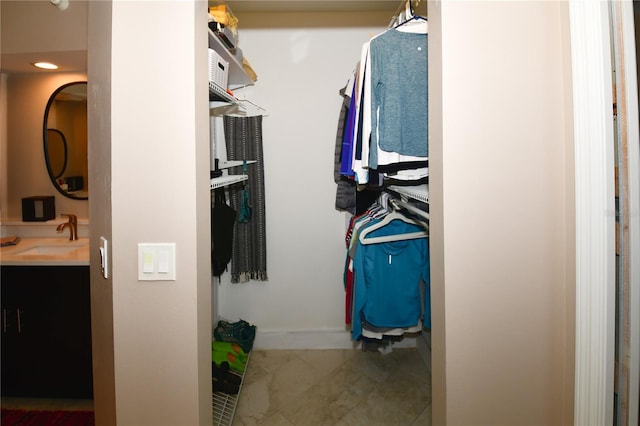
15	256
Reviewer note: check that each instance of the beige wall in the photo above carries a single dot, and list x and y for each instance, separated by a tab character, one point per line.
500	133
27	96
46	28
501	213
4	202
151	174
99	111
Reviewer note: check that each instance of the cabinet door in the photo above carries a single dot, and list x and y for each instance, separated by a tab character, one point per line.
15	364
68	329
48	353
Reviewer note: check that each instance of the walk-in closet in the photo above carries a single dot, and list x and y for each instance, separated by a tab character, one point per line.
518	214
311	62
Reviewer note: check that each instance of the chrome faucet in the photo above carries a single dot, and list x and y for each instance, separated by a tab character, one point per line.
72	224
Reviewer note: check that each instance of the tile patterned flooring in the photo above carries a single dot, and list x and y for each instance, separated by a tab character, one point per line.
335	387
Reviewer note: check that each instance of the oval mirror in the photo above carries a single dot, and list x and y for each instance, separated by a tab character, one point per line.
56	152
65	140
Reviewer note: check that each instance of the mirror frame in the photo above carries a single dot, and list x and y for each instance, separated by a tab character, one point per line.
45	138
65	151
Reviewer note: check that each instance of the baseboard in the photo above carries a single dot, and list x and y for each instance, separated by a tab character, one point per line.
314	339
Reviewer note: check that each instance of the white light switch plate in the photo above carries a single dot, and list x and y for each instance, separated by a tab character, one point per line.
156	262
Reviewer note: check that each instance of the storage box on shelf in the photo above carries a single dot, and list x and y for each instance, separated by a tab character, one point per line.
226	72
238	77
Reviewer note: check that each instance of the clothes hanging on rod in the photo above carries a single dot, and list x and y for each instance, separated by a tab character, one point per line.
382	140
385	131
386	273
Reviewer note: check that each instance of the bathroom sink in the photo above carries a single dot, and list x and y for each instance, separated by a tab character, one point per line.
49	250
46	251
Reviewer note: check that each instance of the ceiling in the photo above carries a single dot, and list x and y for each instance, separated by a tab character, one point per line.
61	36
68	61
309	5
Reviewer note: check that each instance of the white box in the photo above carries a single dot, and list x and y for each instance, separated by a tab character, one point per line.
218	69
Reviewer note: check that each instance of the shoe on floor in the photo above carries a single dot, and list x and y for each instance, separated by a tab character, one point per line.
240	332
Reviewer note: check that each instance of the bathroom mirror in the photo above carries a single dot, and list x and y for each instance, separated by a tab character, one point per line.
65	140
56	152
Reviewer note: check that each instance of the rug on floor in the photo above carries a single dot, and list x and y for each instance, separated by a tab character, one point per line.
47	418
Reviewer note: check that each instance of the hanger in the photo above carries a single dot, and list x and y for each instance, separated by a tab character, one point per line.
407	15
247	108
389	238
414	18
381	207
402	204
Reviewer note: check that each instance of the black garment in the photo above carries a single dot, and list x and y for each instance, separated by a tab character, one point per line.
223	218
346	188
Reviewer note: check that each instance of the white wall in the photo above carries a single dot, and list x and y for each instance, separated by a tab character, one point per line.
300	72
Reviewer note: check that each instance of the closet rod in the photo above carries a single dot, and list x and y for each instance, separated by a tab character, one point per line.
400	204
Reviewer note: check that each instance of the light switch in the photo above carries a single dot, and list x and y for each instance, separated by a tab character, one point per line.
156	262
147	262
164	260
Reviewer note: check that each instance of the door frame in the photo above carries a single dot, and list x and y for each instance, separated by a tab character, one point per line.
595	211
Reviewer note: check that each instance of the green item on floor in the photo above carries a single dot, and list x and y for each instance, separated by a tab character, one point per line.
234	361
240	332
228	347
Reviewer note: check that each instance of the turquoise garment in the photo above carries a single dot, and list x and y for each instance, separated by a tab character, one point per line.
388	277
245	205
399	109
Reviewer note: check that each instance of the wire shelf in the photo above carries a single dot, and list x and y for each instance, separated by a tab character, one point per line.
224	405
417	192
221	181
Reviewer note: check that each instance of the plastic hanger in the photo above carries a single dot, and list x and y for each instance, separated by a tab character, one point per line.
408	16
389	238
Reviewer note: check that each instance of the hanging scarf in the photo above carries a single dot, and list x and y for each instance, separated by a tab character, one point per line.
243	136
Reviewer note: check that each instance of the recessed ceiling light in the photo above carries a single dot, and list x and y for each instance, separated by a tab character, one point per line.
45	65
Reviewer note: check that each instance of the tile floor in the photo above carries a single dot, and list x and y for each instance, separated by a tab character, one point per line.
318	387
335	387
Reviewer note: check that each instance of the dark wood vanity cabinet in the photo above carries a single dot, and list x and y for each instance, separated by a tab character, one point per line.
46	332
